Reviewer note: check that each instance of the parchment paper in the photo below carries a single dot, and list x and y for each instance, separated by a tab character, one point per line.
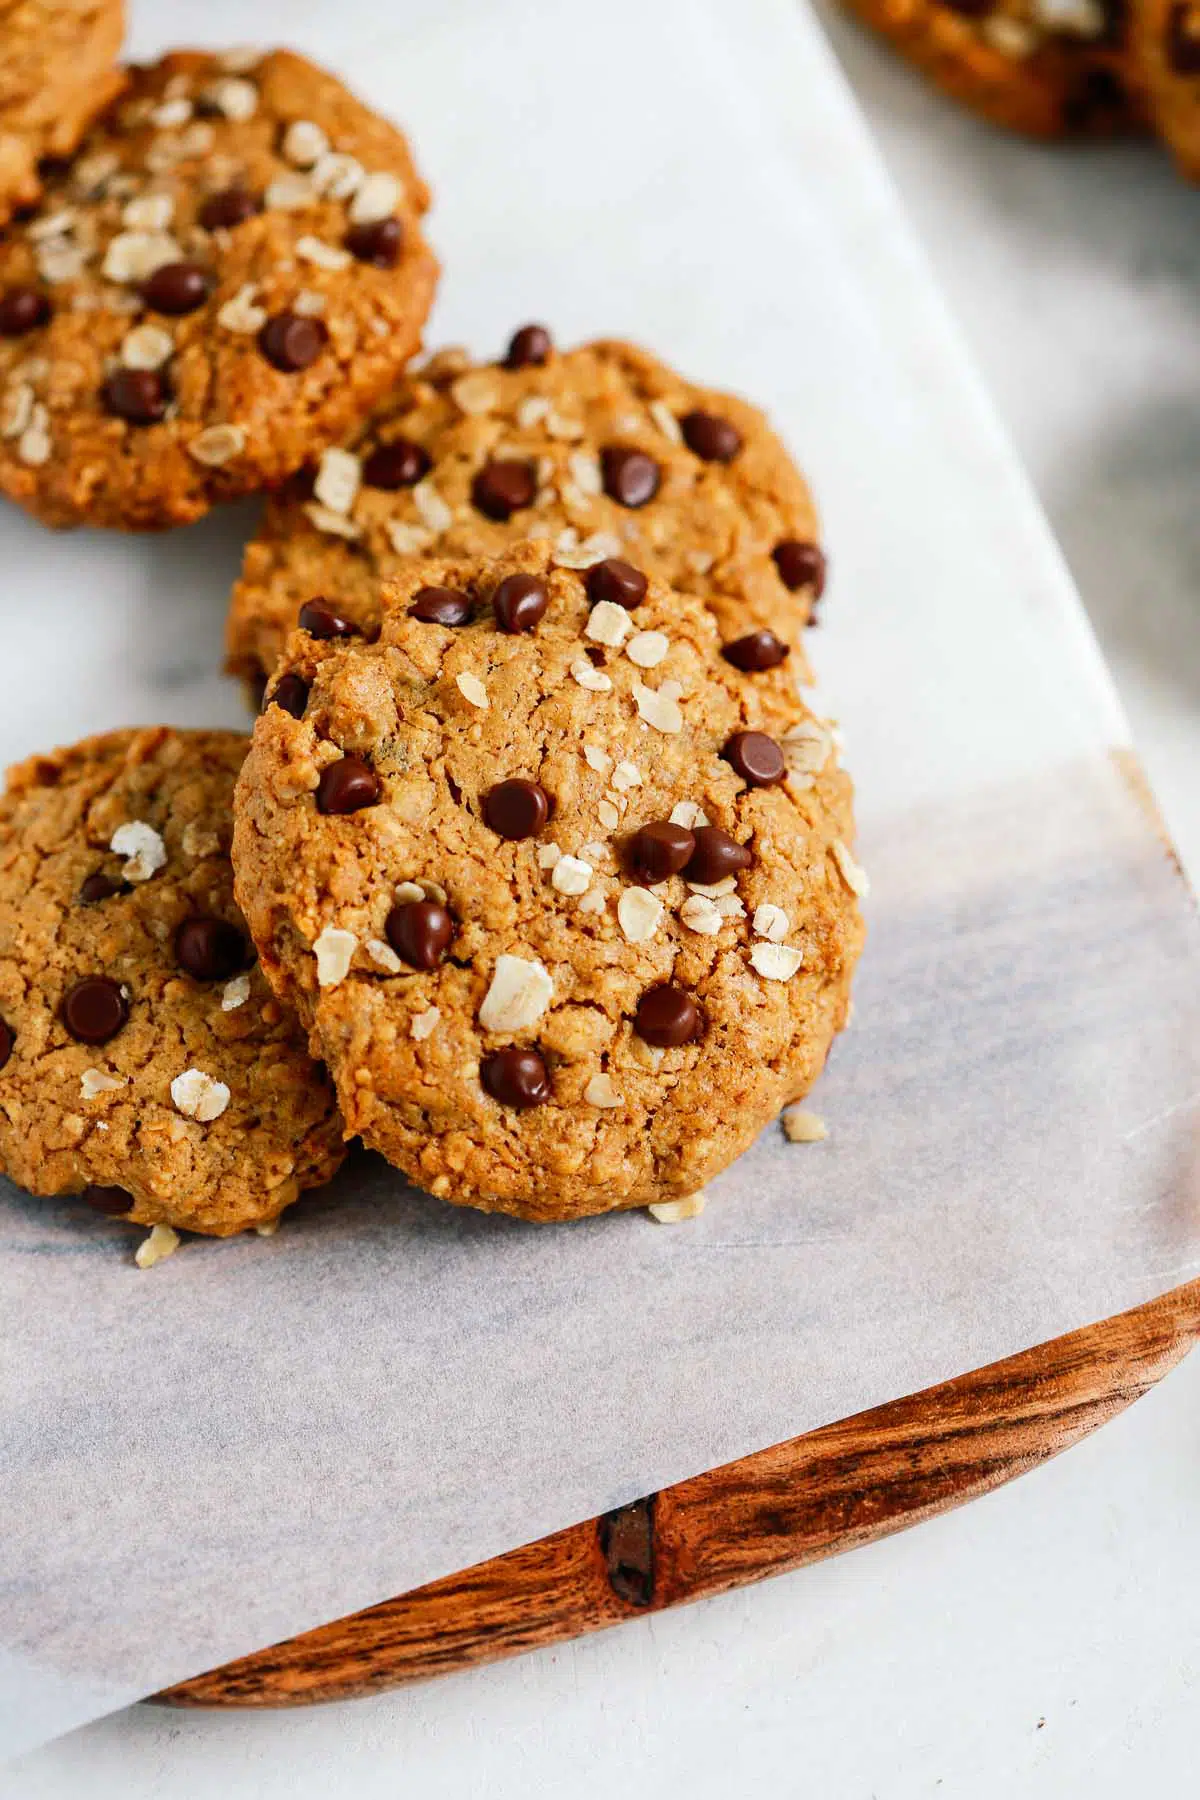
261	1435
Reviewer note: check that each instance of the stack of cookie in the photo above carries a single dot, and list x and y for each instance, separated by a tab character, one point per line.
538	875
1060	68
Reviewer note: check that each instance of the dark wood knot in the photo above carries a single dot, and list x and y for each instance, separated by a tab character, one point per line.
627	1546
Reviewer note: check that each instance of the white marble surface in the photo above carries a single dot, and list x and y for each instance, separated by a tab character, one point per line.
1045	1641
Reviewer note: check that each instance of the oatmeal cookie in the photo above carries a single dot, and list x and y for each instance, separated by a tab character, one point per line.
603	450
58	69
1167	42
144	1062
566	923
224	279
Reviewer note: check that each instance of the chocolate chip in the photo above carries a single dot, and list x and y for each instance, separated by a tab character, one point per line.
800	565
8	1038
440	606
971	9
716	855
139	396
291	341
1097	98
113	1202
420	933
347	786
209	949
516	809
97	887
519	602
528	348
668	1016
291	692
502	488
398	464
318	618
94	1010
756	757
757	651
616	581
661	849
221	212
176	288
516	1078
377	244
1183	39
22	309
630	476
710	436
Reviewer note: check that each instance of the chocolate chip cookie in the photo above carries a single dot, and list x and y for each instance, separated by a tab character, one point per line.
224	279
144	1061
1052	68
1167	41
58	69
568	921
603	451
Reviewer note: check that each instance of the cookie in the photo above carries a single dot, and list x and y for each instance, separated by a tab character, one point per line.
144	1062
1051	68
1167	41
567	926
603	450
58	69
229	274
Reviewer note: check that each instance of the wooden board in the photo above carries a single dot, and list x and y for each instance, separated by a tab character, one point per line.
811	1497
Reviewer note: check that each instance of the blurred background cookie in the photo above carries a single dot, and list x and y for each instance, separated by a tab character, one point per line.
58	69
1167	43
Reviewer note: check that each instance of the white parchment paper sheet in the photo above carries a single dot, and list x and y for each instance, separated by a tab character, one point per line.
260	1435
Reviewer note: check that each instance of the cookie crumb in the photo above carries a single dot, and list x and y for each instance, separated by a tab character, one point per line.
162	1242
671	1212
198	1096
334	950
803	1127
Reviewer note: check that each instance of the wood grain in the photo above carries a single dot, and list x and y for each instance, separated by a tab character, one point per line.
805	1499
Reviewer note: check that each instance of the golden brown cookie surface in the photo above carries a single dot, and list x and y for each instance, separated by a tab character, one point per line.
140	1048
602	450
1052	68
58	69
229	274
564	896
1167	41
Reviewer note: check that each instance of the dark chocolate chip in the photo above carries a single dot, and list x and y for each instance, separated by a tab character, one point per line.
716	855
757	651
290	692
710	436
756	757
516	809
1097	98
528	348
1183	39
221	212
516	1078
398	464
291	341
616	581
209	949
318	618
971	9
176	288
668	1016
440	606
661	849
519	602
22	309
113	1202
800	565
97	887
377	244
94	1010
630	476
502	488
420	933
139	396
347	786
8	1038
